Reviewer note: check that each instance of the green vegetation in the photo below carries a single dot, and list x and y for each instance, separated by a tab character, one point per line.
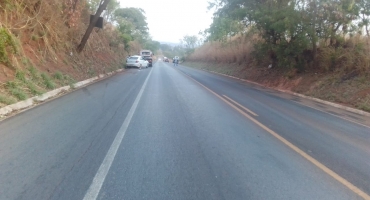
11	84
20	75
365	104
58	75
294	33
34	73
34	89
132	26
34	37
6	100
170	51
49	84
69	81
6	40
18	93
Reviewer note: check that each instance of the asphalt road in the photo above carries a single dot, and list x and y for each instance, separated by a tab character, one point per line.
179	133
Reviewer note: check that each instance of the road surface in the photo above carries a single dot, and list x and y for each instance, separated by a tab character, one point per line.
179	133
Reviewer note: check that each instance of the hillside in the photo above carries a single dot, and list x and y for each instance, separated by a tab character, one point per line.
38	41
318	48
347	81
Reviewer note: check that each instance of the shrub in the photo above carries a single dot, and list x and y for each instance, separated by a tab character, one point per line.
20	75
34	73
33	88
58	75
11	85
47	81
18	93
6	100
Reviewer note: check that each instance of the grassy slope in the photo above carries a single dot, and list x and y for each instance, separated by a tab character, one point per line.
44	35
340	75
351	89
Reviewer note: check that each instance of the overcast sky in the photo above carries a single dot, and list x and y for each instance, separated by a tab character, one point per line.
170	20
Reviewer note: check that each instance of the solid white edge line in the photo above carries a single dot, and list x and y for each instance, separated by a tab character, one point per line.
94	189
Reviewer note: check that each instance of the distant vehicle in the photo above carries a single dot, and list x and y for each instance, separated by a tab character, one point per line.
166	59
136	61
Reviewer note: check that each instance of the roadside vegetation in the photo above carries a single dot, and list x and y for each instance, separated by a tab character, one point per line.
38	41
316	47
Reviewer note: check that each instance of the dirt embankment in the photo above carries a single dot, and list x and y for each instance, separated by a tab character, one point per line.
340	74
37	47
347	88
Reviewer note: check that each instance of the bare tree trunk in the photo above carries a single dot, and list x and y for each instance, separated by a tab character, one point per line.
101	8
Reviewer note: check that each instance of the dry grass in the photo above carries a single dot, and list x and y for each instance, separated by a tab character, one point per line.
46	34
342	73
238	50
353	54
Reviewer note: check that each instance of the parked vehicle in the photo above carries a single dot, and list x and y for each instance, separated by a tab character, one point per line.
150	61
146	53
136	61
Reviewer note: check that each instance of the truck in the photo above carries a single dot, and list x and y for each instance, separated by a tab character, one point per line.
147	55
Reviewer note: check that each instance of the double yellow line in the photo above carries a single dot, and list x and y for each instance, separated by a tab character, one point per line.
241	109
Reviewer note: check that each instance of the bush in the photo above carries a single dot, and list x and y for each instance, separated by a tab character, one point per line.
47	81
11	85
58	75
6	100
33	88
6	40
20	75
34	72
18	93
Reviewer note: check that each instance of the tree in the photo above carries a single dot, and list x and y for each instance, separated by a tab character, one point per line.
93	5
108	14
132	25
103	4
136	17
190	42
152	45
290	29
364	13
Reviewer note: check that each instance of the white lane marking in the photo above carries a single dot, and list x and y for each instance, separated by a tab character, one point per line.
94	189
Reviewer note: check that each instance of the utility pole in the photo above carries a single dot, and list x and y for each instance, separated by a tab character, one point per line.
102	6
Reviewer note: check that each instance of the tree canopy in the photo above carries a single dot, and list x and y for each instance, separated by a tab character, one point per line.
290	29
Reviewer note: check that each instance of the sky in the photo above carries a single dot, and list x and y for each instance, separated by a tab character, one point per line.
171	20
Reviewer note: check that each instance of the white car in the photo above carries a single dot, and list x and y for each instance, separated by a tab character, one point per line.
136	61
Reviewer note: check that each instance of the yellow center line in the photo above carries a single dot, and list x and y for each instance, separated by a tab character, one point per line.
321	166
246	109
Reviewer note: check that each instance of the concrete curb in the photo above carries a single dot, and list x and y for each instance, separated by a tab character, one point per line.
354	110
31	101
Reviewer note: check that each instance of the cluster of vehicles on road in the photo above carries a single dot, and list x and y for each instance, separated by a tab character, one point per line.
175	60
143	60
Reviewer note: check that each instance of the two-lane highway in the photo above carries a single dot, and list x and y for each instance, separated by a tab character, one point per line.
178	133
